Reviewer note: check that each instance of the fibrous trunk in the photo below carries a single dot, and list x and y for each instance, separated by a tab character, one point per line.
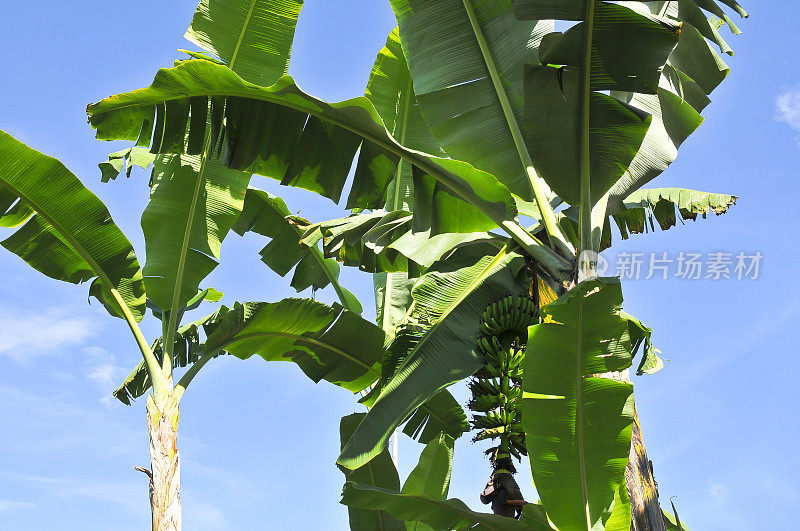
165	476
646	512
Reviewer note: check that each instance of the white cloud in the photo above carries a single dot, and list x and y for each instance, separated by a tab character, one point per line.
10	505
787	108
25	334
132	496
101	368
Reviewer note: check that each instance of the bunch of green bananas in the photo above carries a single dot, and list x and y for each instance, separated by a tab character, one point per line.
497	387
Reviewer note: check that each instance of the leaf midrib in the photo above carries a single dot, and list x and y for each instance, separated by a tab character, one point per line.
468	290
241	34
579	411
172	324
298	337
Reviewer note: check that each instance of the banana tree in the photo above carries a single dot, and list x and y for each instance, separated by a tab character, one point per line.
65	232
613	145
521	123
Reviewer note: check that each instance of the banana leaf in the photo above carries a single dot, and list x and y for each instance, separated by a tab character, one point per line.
66	232
578	424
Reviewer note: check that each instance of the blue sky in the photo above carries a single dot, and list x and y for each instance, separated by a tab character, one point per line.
259	440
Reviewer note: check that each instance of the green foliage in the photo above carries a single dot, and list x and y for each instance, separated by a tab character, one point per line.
66	232
316	337
451	296
379	472
577	424
268	215
311	153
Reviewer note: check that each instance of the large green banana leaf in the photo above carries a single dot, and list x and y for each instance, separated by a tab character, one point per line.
555	121
268	215
248	111
436	513
326	342
455	63
431	476
577	424
253	37
68	233
254	115
192	207
451	297
692	72
380	472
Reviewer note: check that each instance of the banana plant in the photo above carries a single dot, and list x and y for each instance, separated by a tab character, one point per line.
615	142
515	118
65	232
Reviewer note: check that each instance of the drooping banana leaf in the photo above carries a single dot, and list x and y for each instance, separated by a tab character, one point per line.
268	215
386	242
68	233
431	476
577	424
451	297
692	72
665	206
380	472
436	513
254	116
645	209
248	111
326	342
254	37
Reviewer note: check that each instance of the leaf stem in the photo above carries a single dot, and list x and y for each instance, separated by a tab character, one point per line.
586	261
159	381
537	185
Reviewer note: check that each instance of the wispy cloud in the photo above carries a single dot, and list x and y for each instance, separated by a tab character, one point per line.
10	505
131	496
787	108
26	334
101	368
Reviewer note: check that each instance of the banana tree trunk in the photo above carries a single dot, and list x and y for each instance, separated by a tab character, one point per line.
165	475
646	512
